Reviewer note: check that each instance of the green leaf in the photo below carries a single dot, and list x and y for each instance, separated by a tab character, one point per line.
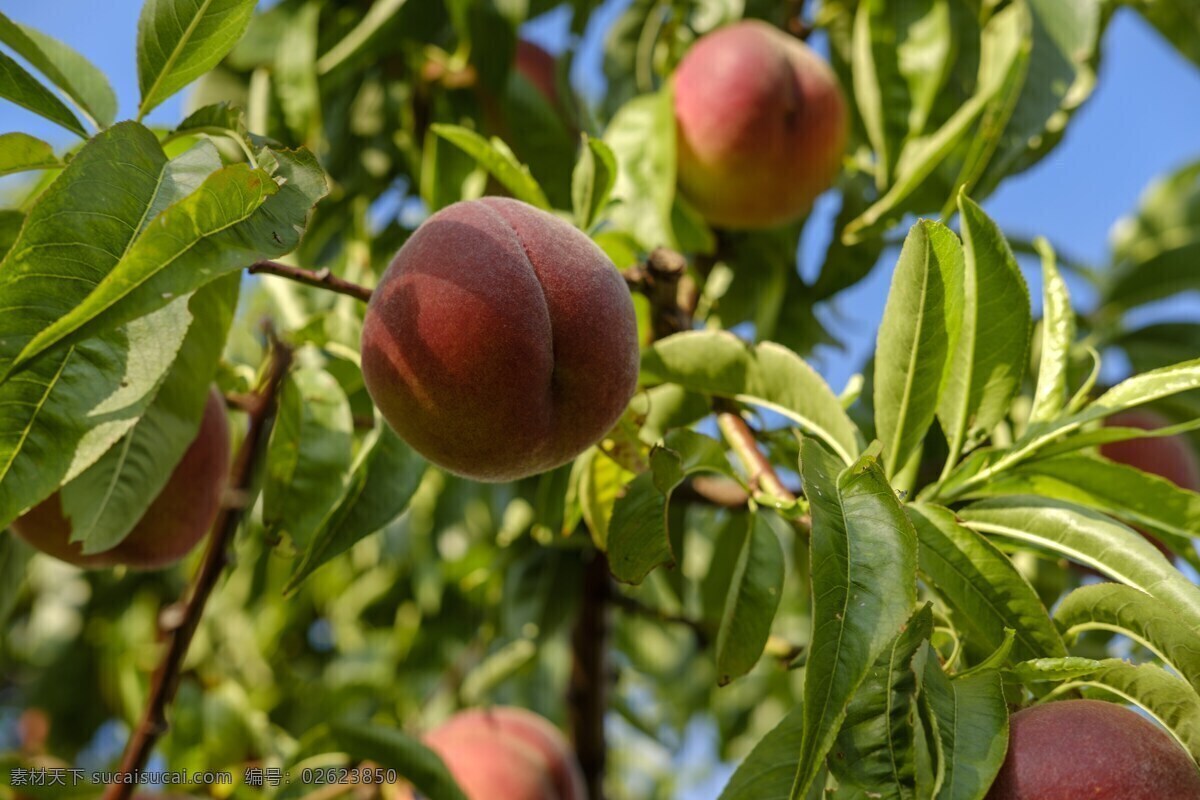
768	771
1004	45
223	119
1155	250
23	89
308	456
1091	538
987	364
180	40
987	593
919	329
1167	698
78	78
108	498
767	375
373	22
497	159
638	535
1135	497
20	152
752	600
396	750
642	138
1144	619
864	564
1058	334
385	477
971	720
1064	668
237	216
876	748
295	77
14	555
592	181
64	412
11	221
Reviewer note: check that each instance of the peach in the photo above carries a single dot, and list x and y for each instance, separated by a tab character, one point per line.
500	342
1170	457
1088	748
509	753
761	125
176	520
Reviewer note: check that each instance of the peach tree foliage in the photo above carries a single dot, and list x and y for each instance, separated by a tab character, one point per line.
868	635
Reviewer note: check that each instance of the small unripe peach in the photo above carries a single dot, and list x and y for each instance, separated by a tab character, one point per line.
1092	749
178	518
760	125
501	342
1170	457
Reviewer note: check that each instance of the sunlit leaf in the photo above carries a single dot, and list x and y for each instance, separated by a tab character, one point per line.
20	87
971	723
20	152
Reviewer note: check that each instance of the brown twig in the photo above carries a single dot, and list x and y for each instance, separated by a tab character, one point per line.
321	278
179	624
759	471
635	606
587	696
664	281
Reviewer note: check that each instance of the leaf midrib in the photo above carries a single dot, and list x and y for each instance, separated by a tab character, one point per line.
172	58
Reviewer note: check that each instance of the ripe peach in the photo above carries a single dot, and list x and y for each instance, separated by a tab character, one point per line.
1088	748
1170	457
501	342
508	753
175	521
760	124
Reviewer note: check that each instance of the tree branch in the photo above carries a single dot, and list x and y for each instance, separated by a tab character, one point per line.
587	696
179	624
635	606
758	468
321	278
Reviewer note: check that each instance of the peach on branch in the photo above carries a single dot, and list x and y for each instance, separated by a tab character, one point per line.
760	125
1088	748
500	342
1170	457
175	521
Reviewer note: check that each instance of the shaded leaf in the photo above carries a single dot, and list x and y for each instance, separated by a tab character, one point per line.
768	771
23	89
592	181
753	598
20	152
501	163
972	727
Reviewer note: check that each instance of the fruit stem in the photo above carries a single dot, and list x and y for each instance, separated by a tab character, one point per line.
179	625
322	278
759	472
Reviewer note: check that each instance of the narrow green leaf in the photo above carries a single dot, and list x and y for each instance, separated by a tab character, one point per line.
385	477
1177	20
972	727
361	35
1091	538
1064	668
11	221
752	600
1058	334
592	181
767	375
308	456
23	89
864	563
638	535
642	138
396	750
920	327
20	152
987	593
1138	498
501	163
180	40
295	77
108	498
876	747
768	771
77	77
988	362
1148	621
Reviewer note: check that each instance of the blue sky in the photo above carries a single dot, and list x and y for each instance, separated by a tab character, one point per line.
1142	121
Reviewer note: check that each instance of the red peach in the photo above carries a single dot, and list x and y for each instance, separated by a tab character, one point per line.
761	126
178	518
